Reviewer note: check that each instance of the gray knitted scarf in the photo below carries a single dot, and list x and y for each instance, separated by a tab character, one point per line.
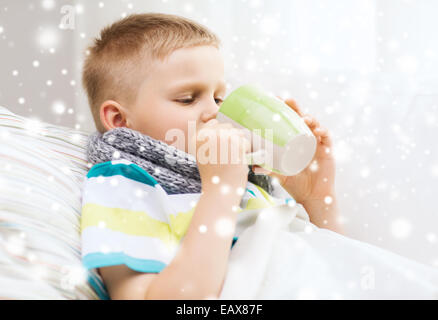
175	170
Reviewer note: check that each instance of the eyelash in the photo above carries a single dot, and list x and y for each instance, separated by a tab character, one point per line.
184	101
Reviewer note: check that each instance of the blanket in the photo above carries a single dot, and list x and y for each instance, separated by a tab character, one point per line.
284	256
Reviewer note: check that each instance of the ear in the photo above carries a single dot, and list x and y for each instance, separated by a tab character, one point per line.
113	115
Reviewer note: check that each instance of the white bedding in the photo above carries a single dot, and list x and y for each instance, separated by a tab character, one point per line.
284	256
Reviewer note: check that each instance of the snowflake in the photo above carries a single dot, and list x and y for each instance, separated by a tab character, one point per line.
431	237
48	4
114	182
328	200
225	189
240	191
16	245
75	276
407	64
58	107
401	228
79	9
48	38
314	166
269	26
224	227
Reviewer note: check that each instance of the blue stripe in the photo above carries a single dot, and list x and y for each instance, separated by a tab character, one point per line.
99	259
99	288
251	192
130	171
234	241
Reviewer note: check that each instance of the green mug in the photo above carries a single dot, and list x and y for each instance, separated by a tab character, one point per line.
283	142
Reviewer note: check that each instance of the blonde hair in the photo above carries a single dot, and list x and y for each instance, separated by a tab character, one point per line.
112	63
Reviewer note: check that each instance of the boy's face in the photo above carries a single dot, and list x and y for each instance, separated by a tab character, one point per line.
188	86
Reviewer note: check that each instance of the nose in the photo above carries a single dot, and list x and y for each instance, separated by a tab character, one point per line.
209	111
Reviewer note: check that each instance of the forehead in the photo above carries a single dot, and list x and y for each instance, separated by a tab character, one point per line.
200	63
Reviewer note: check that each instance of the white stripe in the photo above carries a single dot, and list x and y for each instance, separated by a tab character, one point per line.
121	192
124	161
101	240
251	186
277	197
183	202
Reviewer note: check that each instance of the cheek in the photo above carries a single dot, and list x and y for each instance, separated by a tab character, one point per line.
148	123
178	125
173	131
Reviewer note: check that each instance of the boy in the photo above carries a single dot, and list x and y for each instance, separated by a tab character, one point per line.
154	72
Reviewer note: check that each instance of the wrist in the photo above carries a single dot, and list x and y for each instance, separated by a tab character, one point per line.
223	186
328	197
324	213
223	192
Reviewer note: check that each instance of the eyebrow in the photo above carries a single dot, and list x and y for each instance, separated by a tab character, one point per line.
197	85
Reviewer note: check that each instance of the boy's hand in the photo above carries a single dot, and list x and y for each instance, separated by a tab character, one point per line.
231	170
317	180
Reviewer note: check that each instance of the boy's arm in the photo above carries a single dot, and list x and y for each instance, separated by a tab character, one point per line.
324	214
198	269
123	283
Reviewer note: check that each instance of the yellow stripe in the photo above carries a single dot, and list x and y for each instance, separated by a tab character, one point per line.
180	222
136	223
254	203
266	195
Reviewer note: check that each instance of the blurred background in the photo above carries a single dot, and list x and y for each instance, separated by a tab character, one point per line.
366	69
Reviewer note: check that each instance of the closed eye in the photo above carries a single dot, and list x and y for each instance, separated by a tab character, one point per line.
189	101
186	101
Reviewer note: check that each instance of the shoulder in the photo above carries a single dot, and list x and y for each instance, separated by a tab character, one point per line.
123	168
119	184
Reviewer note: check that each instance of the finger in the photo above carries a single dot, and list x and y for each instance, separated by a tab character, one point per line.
292	103
245	144
226	125
210	123
242	142
240	132
320	131
311	122
222	128
259	170
324	136
231	130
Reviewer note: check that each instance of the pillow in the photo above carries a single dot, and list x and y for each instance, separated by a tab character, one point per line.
42	167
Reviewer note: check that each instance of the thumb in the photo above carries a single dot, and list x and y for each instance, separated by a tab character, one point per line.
259	170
